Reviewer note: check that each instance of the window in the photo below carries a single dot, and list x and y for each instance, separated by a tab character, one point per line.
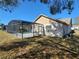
48	28
55	24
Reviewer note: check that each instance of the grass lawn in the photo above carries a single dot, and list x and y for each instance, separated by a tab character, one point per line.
41	47
6	38
76	32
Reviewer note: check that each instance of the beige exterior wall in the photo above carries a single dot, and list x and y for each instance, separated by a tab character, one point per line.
44	21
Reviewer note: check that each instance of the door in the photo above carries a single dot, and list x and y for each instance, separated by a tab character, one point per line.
40	30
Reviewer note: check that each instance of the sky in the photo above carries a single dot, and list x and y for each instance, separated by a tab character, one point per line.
29	11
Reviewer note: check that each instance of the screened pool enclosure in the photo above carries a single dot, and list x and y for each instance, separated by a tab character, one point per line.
26	29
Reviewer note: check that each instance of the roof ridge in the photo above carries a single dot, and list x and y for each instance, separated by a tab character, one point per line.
41	15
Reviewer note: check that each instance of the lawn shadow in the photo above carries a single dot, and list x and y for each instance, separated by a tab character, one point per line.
13	45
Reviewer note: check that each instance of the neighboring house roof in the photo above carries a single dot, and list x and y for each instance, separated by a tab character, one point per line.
56	20
75	25
67	20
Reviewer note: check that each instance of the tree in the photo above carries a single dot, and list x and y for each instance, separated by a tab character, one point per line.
55	6
8	5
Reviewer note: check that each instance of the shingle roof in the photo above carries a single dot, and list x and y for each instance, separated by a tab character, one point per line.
52	19
66	20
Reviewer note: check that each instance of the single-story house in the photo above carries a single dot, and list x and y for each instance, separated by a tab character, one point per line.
75	26
2	27
54	27
43	25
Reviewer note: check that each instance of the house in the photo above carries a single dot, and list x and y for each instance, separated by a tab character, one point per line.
2	27
75	27
43	25
54	27
19	27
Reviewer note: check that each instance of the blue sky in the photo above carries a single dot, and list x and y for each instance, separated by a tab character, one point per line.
29	11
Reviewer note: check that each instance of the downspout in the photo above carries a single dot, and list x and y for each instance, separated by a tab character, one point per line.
33	29
63	31
71	29
21	28
43	30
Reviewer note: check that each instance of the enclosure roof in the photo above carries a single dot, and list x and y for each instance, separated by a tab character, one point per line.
22	22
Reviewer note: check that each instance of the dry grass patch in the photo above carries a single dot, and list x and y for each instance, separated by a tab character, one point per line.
6	38
38	47
76	32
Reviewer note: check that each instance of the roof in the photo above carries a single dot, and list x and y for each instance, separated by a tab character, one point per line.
76	25
66	20
22	21
56	20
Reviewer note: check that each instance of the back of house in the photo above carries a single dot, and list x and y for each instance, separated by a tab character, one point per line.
53	27
43	25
